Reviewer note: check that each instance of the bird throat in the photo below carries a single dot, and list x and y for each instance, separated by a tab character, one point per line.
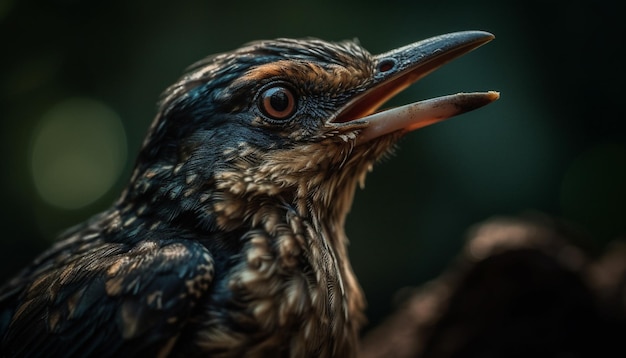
294	204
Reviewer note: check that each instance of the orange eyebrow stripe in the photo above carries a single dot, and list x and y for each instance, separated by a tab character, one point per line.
299	72
275	69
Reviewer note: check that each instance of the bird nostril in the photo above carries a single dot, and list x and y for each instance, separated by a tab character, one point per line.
386	65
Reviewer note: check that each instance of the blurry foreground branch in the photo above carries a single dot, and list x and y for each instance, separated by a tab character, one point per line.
519	289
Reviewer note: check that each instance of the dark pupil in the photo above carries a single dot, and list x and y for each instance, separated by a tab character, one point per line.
279	100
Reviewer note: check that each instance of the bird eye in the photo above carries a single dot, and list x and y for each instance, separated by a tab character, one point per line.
278	102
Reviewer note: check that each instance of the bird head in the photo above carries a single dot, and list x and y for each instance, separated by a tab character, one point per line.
290	120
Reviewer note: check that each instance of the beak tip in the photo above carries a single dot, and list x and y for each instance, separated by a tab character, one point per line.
491	96
470	101
486	36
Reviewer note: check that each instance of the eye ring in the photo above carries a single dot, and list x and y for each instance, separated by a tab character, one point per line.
277	101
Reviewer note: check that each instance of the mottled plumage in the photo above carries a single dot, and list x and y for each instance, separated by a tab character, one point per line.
229	238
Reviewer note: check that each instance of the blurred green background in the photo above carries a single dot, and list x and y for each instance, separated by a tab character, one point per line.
80	80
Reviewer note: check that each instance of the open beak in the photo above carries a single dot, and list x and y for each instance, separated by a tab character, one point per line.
396	70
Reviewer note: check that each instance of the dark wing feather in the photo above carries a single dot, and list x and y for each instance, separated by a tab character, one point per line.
108	300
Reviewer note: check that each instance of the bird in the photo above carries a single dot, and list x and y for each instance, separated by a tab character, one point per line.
229	238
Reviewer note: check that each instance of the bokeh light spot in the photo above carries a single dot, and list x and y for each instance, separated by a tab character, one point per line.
78	152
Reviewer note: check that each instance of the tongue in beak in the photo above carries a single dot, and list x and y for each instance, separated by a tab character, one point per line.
398	69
